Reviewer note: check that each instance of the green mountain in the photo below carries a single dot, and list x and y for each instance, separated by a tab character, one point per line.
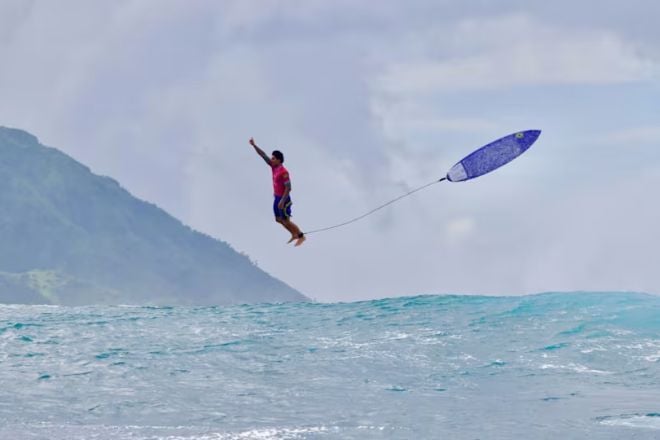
68	236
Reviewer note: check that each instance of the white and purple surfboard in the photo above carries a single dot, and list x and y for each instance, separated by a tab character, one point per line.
492	156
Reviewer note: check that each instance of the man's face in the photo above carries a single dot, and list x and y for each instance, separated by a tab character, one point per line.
275	161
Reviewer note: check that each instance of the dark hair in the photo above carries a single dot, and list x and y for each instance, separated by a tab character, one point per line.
278	155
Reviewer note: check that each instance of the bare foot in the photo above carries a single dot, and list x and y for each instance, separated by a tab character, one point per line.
293	237
300	240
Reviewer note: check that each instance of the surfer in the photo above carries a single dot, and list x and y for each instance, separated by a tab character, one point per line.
281	189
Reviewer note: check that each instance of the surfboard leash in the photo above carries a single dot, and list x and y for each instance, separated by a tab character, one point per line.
367	214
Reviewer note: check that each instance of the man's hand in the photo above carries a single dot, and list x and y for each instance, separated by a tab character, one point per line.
260	152
280	205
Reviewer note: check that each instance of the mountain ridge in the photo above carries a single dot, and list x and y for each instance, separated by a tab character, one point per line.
89	234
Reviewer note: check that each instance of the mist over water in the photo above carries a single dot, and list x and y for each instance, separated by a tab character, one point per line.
559	365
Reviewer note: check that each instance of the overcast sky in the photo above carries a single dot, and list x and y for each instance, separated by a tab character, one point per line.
366	100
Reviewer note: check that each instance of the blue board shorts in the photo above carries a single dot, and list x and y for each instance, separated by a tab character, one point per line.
282	213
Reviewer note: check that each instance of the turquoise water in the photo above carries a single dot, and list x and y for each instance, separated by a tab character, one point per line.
566	365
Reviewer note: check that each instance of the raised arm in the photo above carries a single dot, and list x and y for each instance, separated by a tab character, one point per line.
260	152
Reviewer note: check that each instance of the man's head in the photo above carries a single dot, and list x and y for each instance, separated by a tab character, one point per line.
277	158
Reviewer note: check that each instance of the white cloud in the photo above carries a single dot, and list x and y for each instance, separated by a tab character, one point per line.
518	51
409	118
601	237
632	136
12	16
458	230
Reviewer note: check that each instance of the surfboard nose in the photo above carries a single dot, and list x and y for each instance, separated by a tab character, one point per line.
526	138
532	135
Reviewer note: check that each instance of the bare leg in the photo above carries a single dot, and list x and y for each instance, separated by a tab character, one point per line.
287	225
295	232
291	227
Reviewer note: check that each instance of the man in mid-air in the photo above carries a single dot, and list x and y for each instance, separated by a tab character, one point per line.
281	190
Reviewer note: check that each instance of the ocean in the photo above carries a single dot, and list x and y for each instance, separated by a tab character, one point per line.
547	366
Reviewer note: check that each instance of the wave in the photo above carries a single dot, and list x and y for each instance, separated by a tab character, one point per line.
427	366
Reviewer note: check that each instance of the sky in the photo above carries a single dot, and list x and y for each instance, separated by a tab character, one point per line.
367	100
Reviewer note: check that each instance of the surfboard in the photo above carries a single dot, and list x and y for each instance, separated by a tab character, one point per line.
492	156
